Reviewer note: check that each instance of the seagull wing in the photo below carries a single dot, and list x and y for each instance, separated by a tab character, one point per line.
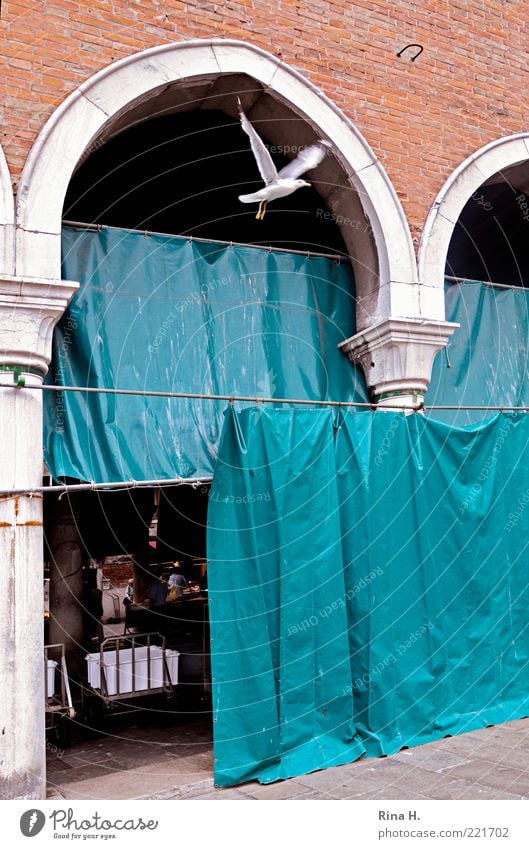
306	160
267	169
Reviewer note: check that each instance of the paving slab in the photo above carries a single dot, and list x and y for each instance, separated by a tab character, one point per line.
461	789
429	758
390	795
100	770
513	755
489	774
227	795
278	790
184	791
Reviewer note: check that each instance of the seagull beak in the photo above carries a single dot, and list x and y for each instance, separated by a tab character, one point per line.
305	183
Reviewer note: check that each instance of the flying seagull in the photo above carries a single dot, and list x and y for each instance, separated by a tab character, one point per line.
282	183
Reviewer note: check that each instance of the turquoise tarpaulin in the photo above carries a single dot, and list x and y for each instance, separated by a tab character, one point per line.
167	314
485	363
369	585
368	572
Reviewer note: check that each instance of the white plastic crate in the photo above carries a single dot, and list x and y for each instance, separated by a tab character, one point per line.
50	679
141	671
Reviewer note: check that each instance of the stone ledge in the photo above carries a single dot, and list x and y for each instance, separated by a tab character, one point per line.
397	355
30	307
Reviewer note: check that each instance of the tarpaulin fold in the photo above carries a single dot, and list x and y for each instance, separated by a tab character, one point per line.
369	583
173	315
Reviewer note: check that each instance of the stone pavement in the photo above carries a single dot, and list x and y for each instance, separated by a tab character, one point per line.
152	762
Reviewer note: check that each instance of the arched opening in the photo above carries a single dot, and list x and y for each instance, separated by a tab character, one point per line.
464	202
205	74
475	245
490	241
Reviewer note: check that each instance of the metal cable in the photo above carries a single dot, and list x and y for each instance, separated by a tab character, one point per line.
370	405
108	486
340	258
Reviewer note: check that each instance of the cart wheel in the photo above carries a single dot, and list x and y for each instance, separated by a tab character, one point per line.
63	732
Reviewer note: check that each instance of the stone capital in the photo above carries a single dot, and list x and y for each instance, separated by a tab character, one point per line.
30	307
397	355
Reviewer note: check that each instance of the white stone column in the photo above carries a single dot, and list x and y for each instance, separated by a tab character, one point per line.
397	356
29	310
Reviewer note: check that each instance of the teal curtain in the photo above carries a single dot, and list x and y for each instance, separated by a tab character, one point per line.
164	313
369	584
485	363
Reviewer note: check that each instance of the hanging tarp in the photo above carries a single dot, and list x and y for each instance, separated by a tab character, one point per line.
369	584
485	363
164	313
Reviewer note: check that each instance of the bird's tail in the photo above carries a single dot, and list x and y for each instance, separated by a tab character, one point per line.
248	198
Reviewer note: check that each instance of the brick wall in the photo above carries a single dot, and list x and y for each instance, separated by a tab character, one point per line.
118	570
422	118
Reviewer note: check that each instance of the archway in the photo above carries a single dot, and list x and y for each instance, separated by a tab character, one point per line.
481	167
474	253
358	188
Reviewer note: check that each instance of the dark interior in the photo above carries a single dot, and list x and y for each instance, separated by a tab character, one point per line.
182	174
491	238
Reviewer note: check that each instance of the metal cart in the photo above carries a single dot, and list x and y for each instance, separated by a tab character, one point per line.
125	669
58	698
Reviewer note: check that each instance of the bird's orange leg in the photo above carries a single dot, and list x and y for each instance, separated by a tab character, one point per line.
262	211
258	216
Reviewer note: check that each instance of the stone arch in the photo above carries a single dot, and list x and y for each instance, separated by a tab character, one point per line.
457	190
7	219
384	259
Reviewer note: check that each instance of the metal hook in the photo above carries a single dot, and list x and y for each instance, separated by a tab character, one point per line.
413	58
